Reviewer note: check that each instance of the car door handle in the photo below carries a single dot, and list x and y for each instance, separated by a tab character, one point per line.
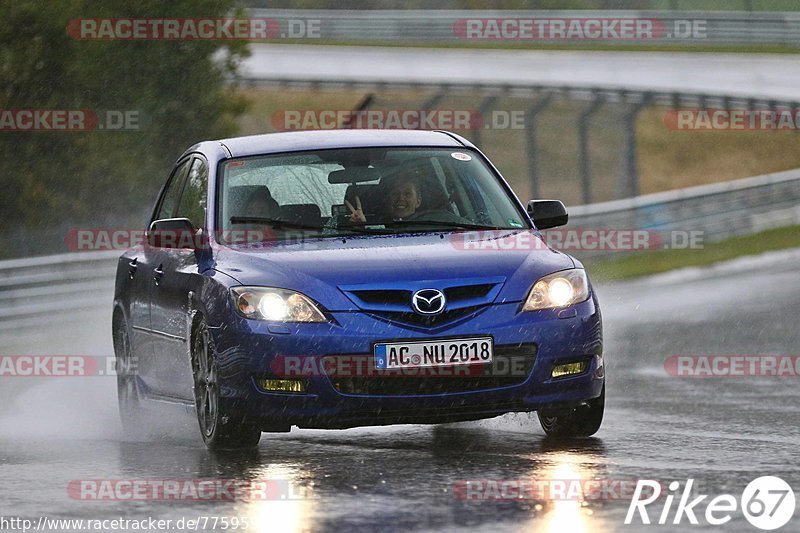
132	266
158	273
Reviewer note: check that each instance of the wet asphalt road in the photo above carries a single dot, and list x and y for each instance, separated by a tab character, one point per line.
721	432
748	75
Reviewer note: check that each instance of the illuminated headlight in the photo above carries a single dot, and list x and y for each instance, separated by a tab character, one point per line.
281	305
558	290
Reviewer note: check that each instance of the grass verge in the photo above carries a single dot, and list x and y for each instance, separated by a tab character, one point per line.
647	263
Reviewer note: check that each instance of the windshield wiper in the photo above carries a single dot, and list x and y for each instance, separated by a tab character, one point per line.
276	223
457	225
279	223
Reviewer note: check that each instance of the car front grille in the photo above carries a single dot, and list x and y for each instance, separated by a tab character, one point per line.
427	321
393	303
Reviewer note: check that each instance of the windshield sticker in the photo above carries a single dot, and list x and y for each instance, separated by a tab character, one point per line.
461	156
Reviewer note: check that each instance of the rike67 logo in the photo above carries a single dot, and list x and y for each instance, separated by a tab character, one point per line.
767	502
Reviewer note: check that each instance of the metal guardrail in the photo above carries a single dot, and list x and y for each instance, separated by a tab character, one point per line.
58	286
440	26
719	211
54	287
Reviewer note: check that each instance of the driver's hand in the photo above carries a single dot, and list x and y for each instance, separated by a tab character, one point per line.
356	213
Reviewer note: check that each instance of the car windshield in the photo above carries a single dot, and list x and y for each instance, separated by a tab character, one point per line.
336	193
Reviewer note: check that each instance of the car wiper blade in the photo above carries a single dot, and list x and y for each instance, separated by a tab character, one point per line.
274	222
279	223
457	225
363	231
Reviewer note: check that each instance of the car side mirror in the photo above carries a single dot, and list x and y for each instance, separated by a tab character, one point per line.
172	233
547	213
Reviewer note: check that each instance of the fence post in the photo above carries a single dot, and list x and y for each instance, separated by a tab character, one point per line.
583	146
434	100
530	139
676	101
631	185
485	107
362	106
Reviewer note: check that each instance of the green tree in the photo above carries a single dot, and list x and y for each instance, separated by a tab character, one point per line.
182	92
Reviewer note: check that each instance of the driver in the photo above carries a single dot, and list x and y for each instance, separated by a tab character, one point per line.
402	201
404	198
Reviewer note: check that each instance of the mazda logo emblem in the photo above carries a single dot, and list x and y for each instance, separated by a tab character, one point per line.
428	301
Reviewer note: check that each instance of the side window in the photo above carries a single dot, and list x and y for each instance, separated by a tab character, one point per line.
193	200
169	200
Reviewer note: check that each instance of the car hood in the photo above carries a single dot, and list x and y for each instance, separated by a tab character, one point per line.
325	269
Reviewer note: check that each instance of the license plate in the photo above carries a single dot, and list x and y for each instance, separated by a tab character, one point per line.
445	352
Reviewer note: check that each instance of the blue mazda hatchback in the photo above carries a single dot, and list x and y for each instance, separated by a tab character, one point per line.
333	279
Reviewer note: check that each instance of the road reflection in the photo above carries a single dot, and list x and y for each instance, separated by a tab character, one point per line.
294	513
386	477
567	514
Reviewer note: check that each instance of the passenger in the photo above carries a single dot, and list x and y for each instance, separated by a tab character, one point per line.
261	207
261	204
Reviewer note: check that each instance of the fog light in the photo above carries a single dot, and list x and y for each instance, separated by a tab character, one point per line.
570	369
282	385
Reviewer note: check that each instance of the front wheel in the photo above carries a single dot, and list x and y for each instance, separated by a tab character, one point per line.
219	430
582	421
130	408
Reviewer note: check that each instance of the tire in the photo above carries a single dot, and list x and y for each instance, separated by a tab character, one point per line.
219	430
130	407
582	421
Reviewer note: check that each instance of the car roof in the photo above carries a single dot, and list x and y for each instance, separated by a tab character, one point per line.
293	141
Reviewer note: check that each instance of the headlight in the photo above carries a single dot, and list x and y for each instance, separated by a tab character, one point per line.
558	290
265	303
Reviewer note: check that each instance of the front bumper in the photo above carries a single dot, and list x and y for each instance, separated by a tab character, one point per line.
248	350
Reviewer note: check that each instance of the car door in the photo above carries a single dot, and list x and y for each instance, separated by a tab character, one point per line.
178	275
146	262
